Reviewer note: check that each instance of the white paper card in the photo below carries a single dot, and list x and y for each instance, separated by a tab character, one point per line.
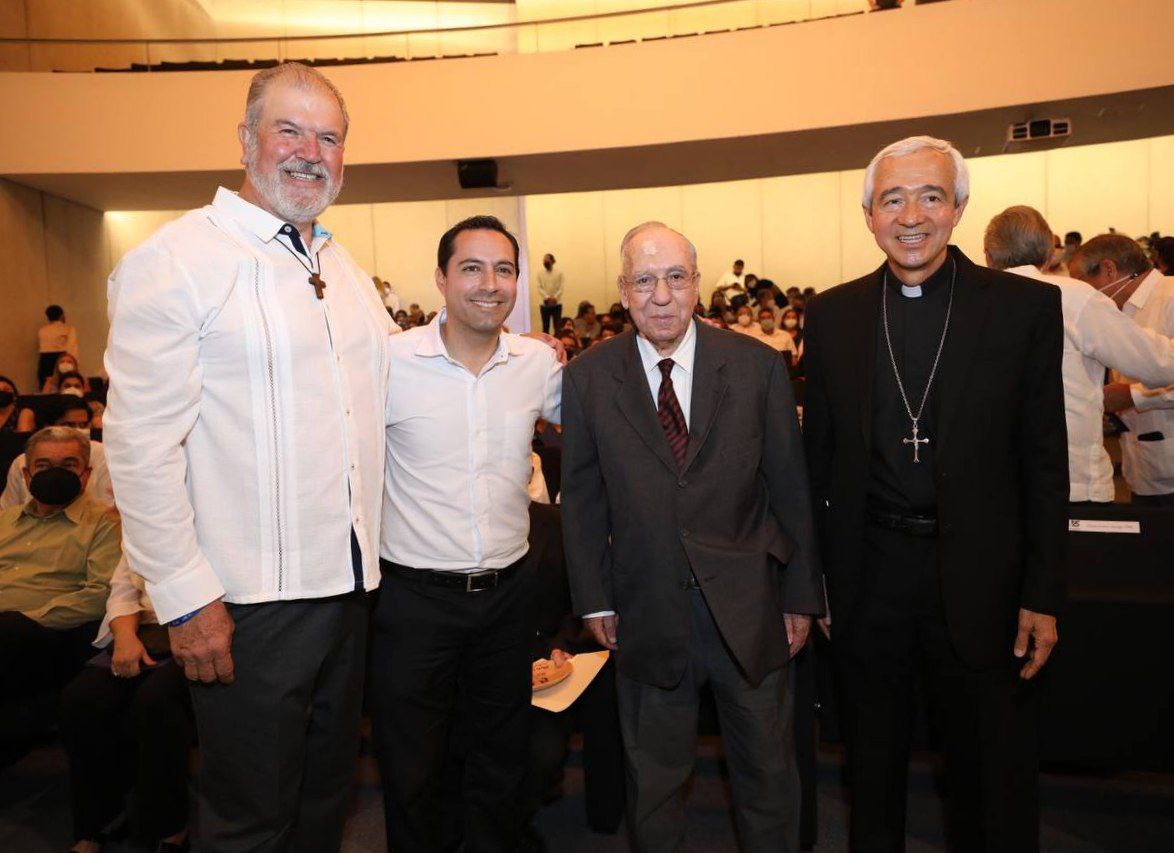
1094	525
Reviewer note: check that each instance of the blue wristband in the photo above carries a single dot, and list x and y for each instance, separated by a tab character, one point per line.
176	622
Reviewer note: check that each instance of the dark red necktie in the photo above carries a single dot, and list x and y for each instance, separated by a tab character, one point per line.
668	411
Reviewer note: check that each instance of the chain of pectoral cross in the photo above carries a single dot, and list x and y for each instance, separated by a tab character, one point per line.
315	279
916	418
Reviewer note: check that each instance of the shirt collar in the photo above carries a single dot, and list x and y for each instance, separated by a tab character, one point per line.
260	222
1139	297
1027	271
73	511
682	356
432	344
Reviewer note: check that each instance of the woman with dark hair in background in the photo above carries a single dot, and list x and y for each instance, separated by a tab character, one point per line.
11	418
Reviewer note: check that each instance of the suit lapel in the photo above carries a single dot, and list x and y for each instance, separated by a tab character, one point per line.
635	403
967	327
864	342
709	387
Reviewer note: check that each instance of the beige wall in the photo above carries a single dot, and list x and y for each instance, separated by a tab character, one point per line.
798	229
56	252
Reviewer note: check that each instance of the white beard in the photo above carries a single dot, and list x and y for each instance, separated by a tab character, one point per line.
271	188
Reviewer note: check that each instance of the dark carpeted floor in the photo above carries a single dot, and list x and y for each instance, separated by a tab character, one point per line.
1082	812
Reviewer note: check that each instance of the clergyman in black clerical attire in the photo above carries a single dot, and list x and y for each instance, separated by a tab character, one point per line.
934	424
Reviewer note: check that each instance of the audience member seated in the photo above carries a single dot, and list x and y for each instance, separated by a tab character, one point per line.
587	325
75	414
72	383
764	297
126	723
619	317
66	363
57	553
13	419
792	328
744	321
773	337
570	343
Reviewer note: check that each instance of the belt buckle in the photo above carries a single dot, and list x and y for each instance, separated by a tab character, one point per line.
471	587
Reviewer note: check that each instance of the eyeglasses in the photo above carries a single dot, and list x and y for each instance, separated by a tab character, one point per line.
675	279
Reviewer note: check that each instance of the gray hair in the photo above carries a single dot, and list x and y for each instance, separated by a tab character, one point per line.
300	75
1121	250
912	145
58	435
645	226
1016	237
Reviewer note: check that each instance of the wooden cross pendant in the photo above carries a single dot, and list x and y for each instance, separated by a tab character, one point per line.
319	284
915	441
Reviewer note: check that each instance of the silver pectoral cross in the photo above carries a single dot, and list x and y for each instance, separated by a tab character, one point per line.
915	441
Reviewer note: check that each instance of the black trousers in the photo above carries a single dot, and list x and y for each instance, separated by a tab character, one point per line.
440	652
984	719
659	728
552	315
279	744
35	659
46	364
128	733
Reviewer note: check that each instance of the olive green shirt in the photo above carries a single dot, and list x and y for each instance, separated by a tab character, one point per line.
56	570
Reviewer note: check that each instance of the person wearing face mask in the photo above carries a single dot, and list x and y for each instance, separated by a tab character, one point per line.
772	336
790	324
1116	265
744	321
1096	335
74	414
58	551
55	338
65	363
13	419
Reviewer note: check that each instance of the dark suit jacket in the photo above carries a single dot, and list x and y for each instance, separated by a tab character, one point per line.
1001	456
736	514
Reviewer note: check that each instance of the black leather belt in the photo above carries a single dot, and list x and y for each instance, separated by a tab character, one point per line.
914	525
464	581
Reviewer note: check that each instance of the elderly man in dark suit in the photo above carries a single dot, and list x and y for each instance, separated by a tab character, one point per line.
934	421
690	543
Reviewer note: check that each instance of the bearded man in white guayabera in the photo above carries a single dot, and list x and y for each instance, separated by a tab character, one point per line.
244	435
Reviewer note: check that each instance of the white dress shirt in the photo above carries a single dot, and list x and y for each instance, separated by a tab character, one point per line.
244	432
128	594
458	450
682	376
1097	335
779	340
729	279
1148	466
97	487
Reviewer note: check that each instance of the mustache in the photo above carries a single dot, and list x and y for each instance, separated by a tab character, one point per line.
297	164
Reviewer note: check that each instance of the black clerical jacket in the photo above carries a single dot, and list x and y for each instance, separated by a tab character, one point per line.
1000	467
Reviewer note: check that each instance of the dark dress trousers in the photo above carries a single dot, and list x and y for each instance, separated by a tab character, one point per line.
735	516
945	606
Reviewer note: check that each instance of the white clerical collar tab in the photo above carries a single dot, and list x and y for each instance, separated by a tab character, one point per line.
911	292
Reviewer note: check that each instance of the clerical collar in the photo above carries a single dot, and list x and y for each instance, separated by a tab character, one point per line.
940	277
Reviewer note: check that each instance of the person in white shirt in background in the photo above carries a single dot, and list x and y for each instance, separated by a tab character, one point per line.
54	338
744	322
1096	335
387	294
772	336
1116	265
550	288
75	414
453	628
732	282
248	368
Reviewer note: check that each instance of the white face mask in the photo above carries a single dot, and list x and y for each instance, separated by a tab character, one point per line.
73	392
743	319
1118	285
790	323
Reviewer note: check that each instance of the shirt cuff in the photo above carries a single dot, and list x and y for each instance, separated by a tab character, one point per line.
597	614
180	595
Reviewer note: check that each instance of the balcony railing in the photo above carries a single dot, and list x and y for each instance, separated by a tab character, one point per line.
683	20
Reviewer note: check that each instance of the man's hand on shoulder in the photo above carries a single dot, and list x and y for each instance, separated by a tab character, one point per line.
203	645
554	343
798	627
1040	630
